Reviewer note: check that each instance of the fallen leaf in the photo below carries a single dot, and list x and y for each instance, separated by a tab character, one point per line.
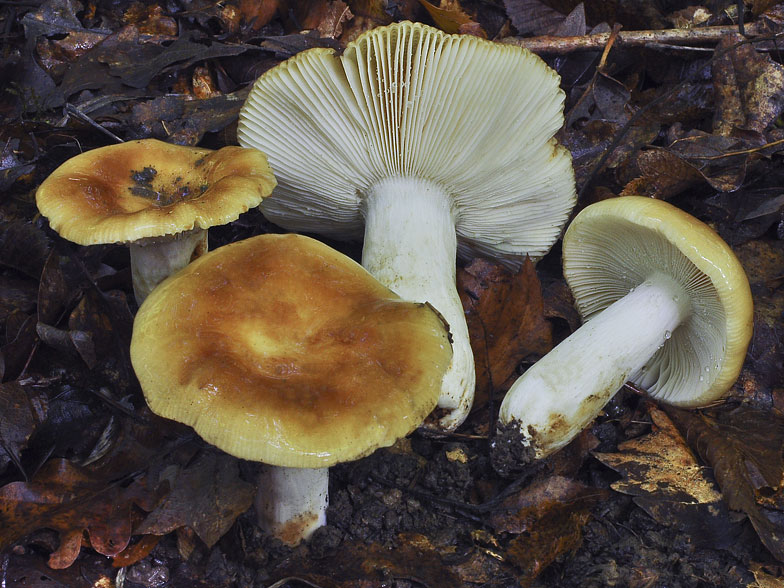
61	285
547	518
23	409
533	17
20	343
449	16
749	88
11	167
668	482
23	247
150	20
100	329
491	295
67	498
184	120
664	175
331	24
207	496
413	559
744	448
255	14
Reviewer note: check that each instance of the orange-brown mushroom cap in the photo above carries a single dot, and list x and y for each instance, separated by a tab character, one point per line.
282	350
149	188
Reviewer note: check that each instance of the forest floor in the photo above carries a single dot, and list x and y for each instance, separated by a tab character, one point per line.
670	100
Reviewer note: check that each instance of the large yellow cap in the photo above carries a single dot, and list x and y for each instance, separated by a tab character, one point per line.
282	350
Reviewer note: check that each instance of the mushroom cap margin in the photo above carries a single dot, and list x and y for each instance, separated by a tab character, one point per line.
107	195
280	349
409	100
634	224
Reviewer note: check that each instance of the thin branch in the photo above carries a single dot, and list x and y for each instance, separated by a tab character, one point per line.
549	44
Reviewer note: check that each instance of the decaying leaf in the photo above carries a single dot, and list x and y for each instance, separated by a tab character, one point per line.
207	496
491	295
22	410
533	17
414	559
664	175
11	167
547	518
338	13
668	482
719	161
450	17
744	448
19	346
749	88
67	498
23	247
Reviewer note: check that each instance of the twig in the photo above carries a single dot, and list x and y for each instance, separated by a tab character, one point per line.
671	37
741	152
74	111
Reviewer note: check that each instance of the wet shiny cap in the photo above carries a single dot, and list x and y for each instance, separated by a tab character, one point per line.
614	245
148	188
282	350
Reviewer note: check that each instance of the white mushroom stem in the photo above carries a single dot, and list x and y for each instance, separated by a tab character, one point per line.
154	259
292	502
564	391
411	247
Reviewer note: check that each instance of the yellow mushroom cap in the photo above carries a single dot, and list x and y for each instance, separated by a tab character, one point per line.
614	245
282	350
149	188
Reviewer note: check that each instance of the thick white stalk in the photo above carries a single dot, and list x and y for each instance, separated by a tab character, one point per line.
564	391
156	258
411	247
292	502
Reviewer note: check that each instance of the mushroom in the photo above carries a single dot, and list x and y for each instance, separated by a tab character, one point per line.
279	349
667	306
432	144
159	198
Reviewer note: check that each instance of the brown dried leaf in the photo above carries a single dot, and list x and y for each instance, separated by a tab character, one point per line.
663	475
358	564
100	329
150	20
548	517
23	409
257	13
699	157
20	344
749	88
664	175
661	463
206	496
450	17
23	247
744	448
70	500
11	167
766	576
183	120
337	13
506	323
533	17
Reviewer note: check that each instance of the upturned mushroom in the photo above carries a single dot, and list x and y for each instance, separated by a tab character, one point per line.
157	197
667	306
429	144
281	350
